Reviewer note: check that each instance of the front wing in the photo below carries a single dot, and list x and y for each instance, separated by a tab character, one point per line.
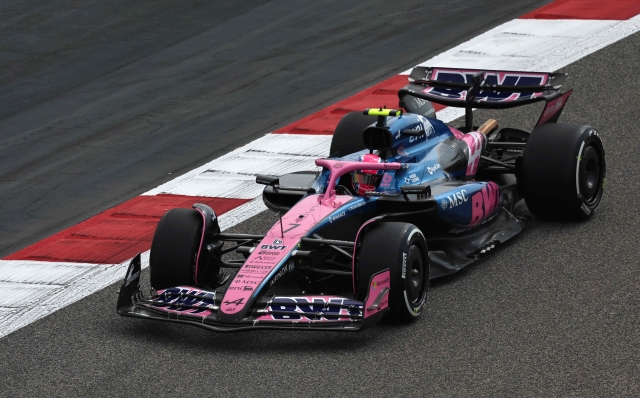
197	307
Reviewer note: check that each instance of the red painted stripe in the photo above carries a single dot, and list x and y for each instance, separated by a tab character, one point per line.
117	234
326	120
587	9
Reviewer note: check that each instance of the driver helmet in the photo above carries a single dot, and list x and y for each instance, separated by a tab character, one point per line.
367	180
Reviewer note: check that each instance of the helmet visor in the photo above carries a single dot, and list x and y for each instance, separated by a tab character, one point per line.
366	179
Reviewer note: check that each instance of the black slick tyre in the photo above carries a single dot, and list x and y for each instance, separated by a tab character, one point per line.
347	137
563	171
174	249
401	248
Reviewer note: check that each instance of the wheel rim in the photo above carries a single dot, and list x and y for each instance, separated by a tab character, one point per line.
591	178
415	274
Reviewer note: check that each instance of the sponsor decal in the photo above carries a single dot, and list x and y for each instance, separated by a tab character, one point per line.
131	277
234	302
247	275
351	208
404	265
338	165
374	284
420	101
277	276
490	79
259	267
402	152
484	202
267	253
434	168
273	247
586	210
386	180
271	262
337	216
247	288
289	308
242	279
412	179
255	271
277	242
553	108
454	200
175	296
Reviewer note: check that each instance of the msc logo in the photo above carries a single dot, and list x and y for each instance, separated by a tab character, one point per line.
455	199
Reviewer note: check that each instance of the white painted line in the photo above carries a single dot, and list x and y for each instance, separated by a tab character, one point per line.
233	175
535	44
449	114
242	213
22	303
24	271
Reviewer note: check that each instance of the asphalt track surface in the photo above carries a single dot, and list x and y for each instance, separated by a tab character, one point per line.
555	312
100	101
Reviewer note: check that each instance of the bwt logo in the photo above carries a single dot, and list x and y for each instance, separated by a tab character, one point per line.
186	304
491	79
484	202
313	305
273	247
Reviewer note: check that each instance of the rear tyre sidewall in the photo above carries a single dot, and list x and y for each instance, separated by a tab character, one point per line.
174	249
557	162
399	247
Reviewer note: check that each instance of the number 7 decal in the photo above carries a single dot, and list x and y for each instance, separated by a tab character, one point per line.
289	229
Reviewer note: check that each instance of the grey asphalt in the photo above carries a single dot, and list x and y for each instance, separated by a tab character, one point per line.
101	101
554	312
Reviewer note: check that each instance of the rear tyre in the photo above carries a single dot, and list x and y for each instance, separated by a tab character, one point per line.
563	171
174	248
347	138
402	249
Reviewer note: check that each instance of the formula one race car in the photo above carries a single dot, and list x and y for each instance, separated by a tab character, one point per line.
402	198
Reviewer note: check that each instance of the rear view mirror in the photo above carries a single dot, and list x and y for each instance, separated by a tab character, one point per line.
267	180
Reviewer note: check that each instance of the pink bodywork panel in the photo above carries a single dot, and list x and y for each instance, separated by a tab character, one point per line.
483	203
553	107
378	282
295	224
274	247
476	142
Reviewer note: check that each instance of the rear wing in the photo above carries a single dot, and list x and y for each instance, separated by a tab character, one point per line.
487	89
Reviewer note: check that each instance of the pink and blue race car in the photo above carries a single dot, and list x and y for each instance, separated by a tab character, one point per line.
402	198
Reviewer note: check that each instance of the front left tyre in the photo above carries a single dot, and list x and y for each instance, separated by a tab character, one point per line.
174	249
